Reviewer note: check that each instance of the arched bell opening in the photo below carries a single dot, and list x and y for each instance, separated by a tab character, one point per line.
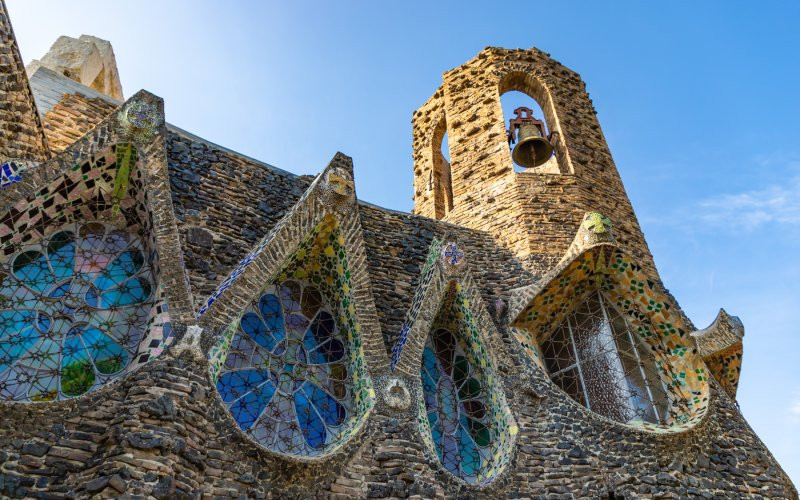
440	180
615	344
80	302
292	371
533	136
464	417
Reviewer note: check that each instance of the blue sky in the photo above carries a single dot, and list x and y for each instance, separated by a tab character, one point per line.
698	102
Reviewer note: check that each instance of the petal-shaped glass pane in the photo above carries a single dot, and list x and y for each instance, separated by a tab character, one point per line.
467	417
74	308
294	333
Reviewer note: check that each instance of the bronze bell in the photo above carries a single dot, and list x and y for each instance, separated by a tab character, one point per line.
532	148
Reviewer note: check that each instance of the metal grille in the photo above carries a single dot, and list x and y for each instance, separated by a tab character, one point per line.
595	358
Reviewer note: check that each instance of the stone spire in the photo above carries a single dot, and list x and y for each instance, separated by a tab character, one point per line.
87	60
21	132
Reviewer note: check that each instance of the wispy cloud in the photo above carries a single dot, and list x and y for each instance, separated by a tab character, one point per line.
794	409
751	209
774	202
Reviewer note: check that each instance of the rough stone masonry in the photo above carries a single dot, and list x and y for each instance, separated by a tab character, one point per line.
213	344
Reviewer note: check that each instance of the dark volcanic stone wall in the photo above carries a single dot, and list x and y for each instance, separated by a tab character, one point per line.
162	433
397	245
224	204
21	134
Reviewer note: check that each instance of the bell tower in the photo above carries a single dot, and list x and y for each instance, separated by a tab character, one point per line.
568	170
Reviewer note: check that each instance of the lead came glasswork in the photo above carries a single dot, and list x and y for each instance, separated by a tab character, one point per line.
454	404
596	359
291	370
287	383
75	308
465	417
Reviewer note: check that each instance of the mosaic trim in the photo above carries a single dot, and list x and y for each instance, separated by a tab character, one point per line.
80	283
426	275
291	369
726	368
721	347
649	313
11	171
152	172
463	414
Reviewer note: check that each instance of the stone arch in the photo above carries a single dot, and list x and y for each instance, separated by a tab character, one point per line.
289	325
294	377
79	280
441	175
529	83
654	318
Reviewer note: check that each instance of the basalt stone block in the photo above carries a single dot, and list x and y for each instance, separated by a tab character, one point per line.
199	237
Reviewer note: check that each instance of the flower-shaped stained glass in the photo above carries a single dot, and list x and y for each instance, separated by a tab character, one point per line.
73	311
455	403
286	379
464	416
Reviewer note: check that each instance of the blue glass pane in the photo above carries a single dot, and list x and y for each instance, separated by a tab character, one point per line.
270	308
329	409
452	394
470	457
247	409
14	346
234	385
309	392
61	252
430	365
108	355
75	306
126	264
252	325
310	423
134	291
31	268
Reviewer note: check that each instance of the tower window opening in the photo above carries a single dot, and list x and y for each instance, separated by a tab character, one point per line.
441	180
528	134
446	174
595	357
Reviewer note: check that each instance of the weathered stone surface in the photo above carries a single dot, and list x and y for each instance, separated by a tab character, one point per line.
163	432
21	132
87	60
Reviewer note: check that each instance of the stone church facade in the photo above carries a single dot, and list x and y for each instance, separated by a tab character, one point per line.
178	320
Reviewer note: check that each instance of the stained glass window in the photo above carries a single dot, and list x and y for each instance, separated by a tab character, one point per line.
465	413
286	380
595	358
74	308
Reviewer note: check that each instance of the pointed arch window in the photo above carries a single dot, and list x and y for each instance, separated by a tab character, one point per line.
465	417
294	377
595	357
293	391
